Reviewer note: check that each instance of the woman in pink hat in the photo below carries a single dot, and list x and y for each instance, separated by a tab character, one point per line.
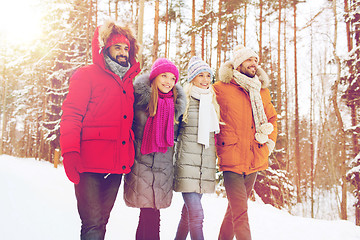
159	102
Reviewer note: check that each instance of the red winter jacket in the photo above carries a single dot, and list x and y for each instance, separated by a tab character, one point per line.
98	115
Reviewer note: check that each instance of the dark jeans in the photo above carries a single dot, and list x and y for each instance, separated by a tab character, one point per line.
149	224
236	223
95	198
192	217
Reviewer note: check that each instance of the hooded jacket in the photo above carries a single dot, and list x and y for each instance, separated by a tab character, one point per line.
195	165
149	184
98	110
236	147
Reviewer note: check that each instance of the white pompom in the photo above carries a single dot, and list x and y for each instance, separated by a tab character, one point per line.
261	138
238	47
266	128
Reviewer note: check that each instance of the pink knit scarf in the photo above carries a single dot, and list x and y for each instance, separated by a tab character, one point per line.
159	130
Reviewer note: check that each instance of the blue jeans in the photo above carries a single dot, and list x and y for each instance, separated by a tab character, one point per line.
149	224
236	223
95	198
192	217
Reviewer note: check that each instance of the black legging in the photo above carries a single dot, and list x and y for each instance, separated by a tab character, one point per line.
149	224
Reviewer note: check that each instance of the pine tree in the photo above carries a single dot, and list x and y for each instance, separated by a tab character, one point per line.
351	80
67	31
353	176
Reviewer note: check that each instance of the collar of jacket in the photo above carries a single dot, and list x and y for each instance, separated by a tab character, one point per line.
226	74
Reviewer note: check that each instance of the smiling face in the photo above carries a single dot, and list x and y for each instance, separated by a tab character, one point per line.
202	80
249	67
165	82
119	53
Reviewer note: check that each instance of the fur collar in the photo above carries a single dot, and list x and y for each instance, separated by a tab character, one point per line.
142	90
226	74
110	26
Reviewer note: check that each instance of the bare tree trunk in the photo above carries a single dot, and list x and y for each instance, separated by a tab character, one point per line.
348	32
169	34
297	137
280	143
211	37
96	13
287	132
88	30
245	18
312	175
178	35
340	122
192	52
166	27
116	10
43	118
203	34
260	30
278	82
156	31
219	37
225	43
140	30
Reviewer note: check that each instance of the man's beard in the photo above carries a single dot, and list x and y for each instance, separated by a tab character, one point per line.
119	60
249	74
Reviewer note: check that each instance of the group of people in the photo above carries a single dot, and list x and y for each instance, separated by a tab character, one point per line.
162	137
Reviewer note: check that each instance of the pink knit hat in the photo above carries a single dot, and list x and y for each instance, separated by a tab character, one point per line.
162	65
117	38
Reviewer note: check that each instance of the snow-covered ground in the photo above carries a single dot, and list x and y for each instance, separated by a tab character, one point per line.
38	202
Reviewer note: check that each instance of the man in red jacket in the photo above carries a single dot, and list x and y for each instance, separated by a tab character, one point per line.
96	137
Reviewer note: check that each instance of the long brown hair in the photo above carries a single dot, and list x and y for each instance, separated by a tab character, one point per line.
152	106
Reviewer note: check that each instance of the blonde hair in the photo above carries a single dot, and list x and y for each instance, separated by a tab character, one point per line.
187	89
154	95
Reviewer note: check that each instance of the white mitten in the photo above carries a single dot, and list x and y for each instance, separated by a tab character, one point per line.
271	145
261	138
266	128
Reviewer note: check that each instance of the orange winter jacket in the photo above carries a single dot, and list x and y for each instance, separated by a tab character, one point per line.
236	147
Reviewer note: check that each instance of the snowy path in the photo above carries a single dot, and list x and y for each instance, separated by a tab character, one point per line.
38	202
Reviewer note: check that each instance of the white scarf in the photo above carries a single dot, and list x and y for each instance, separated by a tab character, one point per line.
208	121
253	86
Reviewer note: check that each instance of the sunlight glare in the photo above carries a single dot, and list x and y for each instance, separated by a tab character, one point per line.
19	21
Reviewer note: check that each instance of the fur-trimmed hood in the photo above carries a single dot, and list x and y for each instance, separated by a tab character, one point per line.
142	91
102	34
226	74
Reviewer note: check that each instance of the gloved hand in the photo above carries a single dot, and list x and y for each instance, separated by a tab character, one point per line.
71	159
266	128
261	138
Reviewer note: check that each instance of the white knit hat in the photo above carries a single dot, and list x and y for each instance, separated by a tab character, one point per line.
241	53
196	66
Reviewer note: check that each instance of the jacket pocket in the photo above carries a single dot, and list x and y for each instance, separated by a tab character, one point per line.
98	148
261	156
226	150
100	133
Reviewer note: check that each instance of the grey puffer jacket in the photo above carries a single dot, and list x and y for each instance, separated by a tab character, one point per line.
195	165
149	184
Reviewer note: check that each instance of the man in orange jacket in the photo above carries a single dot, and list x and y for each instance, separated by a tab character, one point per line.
247	138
